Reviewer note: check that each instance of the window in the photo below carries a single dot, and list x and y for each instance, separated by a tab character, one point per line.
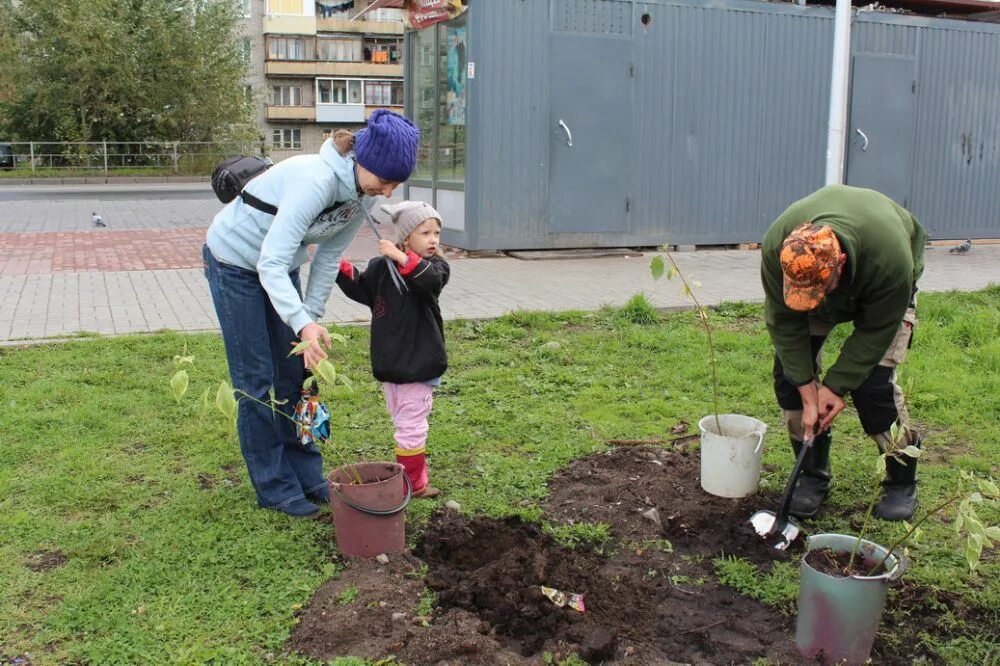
286	95
286	48
287	138
383	50
353	91
245	8
384	93
285	7
338	91
338	49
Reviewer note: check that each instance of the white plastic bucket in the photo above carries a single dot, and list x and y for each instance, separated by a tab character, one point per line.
730	462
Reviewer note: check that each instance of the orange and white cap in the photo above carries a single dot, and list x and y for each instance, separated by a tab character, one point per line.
810	257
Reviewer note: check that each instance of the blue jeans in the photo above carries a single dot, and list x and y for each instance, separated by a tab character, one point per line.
257	345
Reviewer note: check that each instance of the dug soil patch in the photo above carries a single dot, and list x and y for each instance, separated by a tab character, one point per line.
648	597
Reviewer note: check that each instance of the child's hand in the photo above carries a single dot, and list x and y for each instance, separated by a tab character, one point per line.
388	249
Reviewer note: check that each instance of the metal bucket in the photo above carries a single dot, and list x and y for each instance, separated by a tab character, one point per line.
368	517
838	617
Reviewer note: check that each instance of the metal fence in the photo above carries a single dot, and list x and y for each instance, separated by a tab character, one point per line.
110	157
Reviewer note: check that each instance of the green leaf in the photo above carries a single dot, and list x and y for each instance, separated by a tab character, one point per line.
225	400
959	522
988	488
342	378
183	360
179	384
993	532
911	451
299	347
205	402
880	466
973	551
309	382
974	527
673	272
337	337
327	371
894	432
656	267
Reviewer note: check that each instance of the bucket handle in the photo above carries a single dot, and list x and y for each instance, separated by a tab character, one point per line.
335	487
760	442
902	563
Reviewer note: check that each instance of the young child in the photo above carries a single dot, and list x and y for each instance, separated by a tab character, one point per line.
407	334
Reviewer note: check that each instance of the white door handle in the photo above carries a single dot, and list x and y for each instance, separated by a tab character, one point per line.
864	137
569	135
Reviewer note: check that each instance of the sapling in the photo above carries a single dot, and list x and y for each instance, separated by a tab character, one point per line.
657	268
227	397
978	535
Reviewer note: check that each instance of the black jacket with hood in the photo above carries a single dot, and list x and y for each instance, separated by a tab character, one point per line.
407	332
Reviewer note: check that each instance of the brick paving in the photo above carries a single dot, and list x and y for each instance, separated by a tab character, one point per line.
60	276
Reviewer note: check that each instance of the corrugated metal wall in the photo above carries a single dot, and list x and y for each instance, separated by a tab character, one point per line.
730	113
956	180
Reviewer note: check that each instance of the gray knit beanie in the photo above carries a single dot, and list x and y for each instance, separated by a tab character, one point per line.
408	215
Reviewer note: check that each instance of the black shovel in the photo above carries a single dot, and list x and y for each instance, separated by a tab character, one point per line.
767	524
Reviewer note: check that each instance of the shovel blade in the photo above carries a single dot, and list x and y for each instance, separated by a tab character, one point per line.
764	522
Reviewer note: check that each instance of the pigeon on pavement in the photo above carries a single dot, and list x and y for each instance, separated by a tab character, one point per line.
97	220
962	248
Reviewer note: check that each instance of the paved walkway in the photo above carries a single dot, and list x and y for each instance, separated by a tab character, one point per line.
59	275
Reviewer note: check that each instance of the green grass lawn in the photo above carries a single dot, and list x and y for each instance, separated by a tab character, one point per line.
129	532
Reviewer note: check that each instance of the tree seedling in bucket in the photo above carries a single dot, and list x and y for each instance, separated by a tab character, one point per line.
657	268
227	397
970	492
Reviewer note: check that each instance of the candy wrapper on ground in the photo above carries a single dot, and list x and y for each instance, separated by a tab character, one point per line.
561	599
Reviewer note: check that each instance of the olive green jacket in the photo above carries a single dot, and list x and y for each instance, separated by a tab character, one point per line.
884	245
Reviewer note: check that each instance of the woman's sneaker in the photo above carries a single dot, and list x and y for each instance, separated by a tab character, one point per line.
301	508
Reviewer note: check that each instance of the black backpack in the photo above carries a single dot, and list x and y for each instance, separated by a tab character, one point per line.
232	175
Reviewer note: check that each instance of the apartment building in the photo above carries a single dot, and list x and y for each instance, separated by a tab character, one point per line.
313	70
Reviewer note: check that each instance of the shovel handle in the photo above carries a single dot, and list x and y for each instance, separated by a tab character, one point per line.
397	279
781	520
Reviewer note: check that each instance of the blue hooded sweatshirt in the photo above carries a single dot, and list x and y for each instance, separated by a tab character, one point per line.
274	245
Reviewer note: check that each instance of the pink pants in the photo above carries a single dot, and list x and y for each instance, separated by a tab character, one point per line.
409	406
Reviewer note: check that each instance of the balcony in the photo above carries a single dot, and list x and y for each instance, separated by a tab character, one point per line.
349	113
367	27
291	113
314	68
276	24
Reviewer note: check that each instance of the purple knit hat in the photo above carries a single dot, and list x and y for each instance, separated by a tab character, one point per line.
388	146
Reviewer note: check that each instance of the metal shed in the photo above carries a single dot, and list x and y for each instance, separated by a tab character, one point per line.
610	123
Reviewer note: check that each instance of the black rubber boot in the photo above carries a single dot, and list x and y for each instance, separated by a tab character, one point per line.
814	480
899	490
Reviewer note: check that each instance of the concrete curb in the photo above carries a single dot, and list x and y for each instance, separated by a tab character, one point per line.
104	180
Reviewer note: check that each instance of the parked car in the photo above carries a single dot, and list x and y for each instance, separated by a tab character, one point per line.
6	156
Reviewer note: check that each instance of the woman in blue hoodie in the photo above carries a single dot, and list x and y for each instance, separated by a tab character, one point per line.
252	256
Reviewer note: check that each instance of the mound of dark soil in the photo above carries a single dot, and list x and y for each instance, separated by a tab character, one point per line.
618	486
646	602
